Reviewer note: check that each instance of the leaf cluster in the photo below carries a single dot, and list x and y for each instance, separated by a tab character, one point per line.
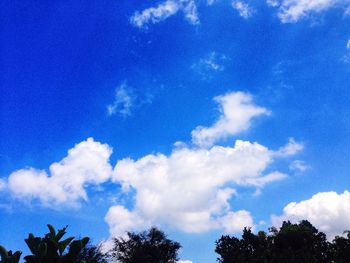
292	243
146	247
52	248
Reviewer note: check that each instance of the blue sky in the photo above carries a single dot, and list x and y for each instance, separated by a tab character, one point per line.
198	117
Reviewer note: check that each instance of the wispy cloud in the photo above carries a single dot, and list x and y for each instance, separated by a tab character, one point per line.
2	184
299	166
164	10
291	148
237	110
123	101
346	57
291	11
243	9
210	63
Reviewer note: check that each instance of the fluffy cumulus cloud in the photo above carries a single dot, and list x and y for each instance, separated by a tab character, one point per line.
86	164
236	112
191	188
290	11
243	9
118	217
234	222
328	211
164	10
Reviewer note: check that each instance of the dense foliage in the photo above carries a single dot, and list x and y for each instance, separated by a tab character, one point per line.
53	249
146	247
292	243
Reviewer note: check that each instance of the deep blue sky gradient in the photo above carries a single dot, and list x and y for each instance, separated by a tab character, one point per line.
61	62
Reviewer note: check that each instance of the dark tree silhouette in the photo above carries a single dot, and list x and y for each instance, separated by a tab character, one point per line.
251	248
292	243
146	247
92	254
296	243
52	249
341	248
8	256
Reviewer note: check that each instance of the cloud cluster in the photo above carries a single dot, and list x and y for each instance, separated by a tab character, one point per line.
190	189
328	211
164	10
86	164
237	110
291	11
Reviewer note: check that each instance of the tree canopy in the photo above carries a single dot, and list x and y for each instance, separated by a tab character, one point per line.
147	247
52	248
292	243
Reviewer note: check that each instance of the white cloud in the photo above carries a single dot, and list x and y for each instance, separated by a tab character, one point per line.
328	211
234	222
262	181
123	101
121	220
191	189
299	166
291	148
346	59
348	44
212	62
164	10
237	110
290	11
243	9
190	11
184	261
273	3
86	164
